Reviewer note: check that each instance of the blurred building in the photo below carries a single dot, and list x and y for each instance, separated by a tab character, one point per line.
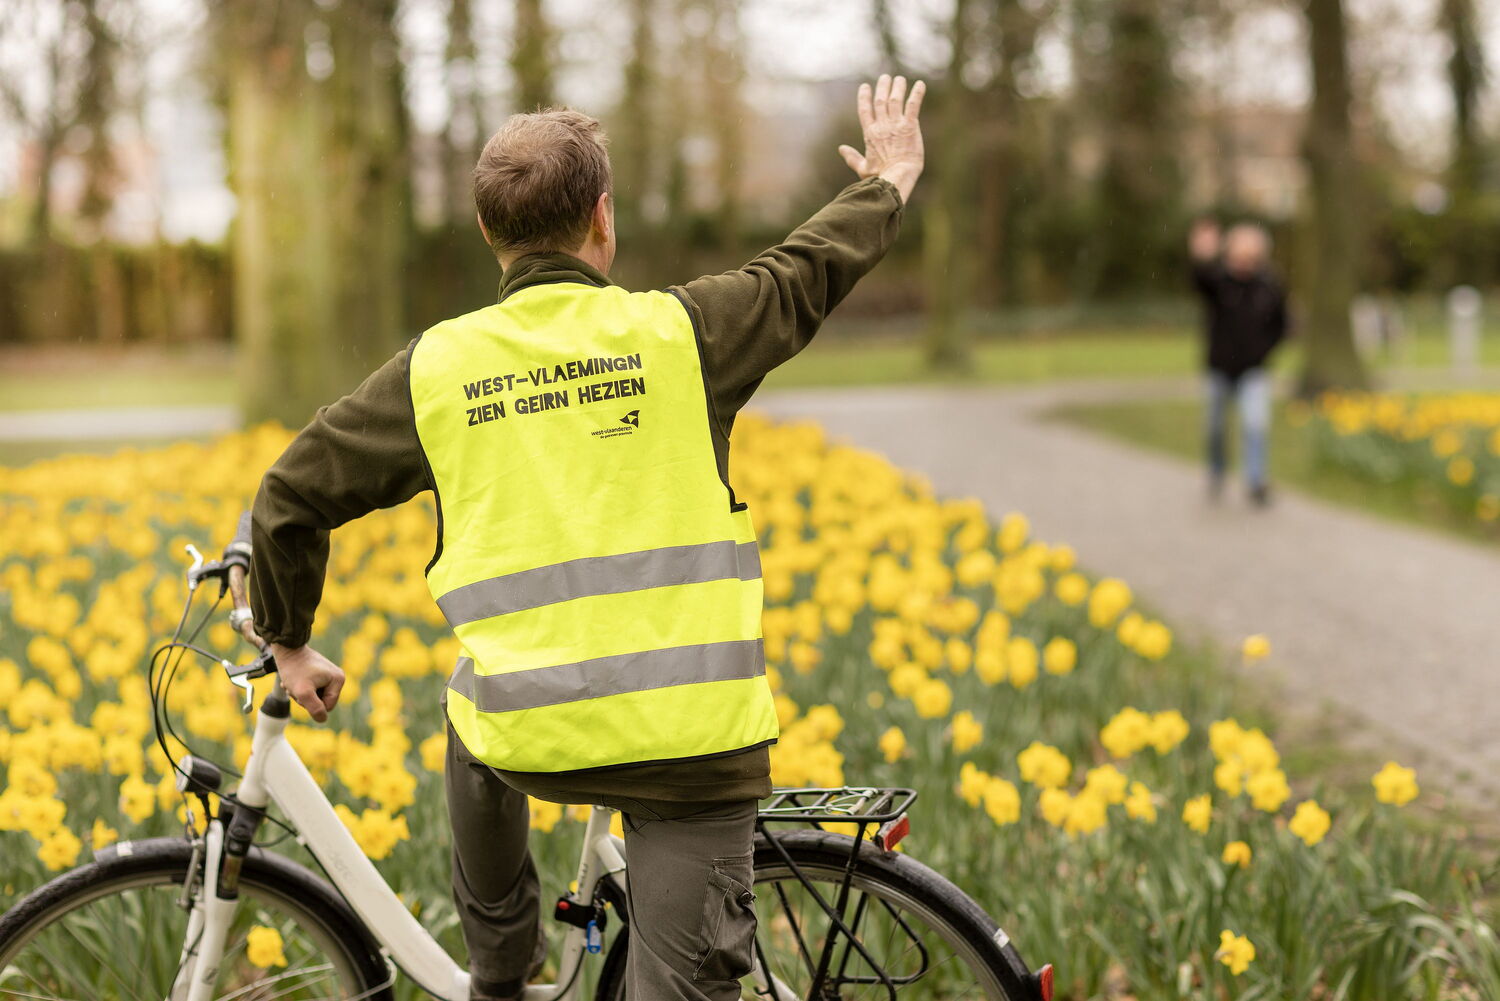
1247	157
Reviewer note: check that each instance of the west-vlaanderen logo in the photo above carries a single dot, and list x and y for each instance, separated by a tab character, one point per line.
627	425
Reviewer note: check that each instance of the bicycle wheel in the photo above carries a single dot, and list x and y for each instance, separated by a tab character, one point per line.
113	930
915	933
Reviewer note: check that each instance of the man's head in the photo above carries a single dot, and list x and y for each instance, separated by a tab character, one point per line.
543	184
1247	248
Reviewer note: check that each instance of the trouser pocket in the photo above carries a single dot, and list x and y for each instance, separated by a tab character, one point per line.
728	921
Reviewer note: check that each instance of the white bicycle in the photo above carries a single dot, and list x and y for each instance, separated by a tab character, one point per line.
190	918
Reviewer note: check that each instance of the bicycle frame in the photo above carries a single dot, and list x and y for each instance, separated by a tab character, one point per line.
274	773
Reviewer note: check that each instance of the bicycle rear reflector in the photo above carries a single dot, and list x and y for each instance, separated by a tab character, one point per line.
890	834
1043	980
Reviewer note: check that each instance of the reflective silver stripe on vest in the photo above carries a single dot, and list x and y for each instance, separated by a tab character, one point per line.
593	575
617	675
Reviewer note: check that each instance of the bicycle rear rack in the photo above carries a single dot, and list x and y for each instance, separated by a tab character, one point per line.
861	807
869	805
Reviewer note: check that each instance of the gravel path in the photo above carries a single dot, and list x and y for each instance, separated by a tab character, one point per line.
1393	627
116	423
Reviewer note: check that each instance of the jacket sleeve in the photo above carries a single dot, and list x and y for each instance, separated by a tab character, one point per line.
357	455
752	319
1279	323
1205	276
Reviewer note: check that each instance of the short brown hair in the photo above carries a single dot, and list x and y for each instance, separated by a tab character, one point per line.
538	178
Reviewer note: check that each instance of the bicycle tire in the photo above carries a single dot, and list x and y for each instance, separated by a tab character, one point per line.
824	855
163	862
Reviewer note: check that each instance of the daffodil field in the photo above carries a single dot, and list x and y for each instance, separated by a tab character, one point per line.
1446	446
1083	779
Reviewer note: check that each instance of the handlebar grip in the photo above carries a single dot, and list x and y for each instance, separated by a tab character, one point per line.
239	549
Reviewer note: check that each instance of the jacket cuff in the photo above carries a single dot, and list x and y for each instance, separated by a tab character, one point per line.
290	639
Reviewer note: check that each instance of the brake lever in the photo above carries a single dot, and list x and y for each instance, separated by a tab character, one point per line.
202	570
243	684
240	675
193	575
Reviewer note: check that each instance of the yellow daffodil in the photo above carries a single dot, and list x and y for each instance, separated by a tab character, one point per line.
1044	766
1237	853
1055	806
971	783
1395	785
1310	822
1059	656
1127	732
263	947
892	743
1167	729
1139	804
1107	782
1268	789
1071	589
1108	601
932	699
1002	801
1198	813
102	835
59	849
1255	648
966	732
1021	658
1235	952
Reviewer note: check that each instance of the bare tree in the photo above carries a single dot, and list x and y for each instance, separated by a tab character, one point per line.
948	229
1330	360
317	140
531	56
1466	77
464	132
75	94
724	69
1139	186
1011	31
632	142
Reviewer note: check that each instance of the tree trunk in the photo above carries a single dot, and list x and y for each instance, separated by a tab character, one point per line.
464	136
531	56
725	69
1138	187
633	143
1466	73
1329	358
318	169
948	219
1000	165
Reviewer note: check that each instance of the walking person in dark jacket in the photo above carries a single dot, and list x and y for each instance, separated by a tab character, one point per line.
1245	319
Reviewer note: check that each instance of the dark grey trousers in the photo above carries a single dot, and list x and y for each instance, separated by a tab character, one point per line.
692	918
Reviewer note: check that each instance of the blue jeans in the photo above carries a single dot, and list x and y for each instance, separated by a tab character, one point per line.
1252	392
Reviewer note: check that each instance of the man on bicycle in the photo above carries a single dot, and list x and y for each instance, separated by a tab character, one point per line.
591	556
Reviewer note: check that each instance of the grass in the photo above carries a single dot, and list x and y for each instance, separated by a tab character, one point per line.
1095	354
1175	427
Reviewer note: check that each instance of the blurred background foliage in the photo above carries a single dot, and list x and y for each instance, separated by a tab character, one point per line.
292	175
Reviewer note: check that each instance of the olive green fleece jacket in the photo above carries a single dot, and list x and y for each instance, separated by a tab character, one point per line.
362	452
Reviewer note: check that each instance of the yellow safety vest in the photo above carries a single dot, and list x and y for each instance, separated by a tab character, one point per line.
604	586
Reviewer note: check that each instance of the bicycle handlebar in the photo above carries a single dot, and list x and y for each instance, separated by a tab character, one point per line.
238	552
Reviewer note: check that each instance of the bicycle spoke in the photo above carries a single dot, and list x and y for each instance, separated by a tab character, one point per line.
126	944
891	945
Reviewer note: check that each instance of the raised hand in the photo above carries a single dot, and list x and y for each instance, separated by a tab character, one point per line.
1204	240
893	137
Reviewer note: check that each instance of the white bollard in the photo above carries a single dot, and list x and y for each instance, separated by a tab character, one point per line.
1465	305
1365	318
